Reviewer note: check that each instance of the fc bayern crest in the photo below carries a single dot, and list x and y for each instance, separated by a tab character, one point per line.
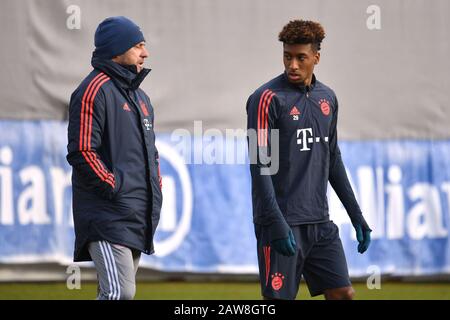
324	106
277	281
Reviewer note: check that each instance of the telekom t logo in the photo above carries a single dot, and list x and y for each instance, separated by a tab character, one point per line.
305	138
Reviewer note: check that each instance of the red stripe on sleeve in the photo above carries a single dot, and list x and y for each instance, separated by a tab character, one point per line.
86	129
86	103
106	174
83	104
91	109
266	122
86	112
94	161
261	102
87	156
264	118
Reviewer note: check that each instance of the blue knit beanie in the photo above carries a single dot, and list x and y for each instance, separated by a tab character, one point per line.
115	35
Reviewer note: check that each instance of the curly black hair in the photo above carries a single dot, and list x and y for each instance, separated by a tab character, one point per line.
302	32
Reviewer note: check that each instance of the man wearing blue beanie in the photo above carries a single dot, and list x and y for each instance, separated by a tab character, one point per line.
116	183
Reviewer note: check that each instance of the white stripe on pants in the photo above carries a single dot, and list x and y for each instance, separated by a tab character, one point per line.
116	268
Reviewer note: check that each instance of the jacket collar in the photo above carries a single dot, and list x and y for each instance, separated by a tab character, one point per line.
302	88
124	76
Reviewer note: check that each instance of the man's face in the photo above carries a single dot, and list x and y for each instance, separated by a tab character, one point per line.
134	56
299	61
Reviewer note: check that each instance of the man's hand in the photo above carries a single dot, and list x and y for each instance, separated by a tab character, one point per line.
285	246
363	237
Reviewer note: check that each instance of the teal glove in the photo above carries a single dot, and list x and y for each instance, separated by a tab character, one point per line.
285	246
363	237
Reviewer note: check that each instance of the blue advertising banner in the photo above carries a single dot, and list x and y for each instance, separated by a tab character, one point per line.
403	188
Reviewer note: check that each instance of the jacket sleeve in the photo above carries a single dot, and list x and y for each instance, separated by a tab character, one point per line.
261	116
338	177
86	127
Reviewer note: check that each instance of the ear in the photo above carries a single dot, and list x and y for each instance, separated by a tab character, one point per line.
317	57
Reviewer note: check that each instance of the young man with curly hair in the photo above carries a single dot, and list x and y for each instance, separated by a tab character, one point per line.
294	118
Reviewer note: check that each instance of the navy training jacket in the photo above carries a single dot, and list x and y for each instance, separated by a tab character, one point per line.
309	155
116	182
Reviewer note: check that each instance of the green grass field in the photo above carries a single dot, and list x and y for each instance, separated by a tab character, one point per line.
216	291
